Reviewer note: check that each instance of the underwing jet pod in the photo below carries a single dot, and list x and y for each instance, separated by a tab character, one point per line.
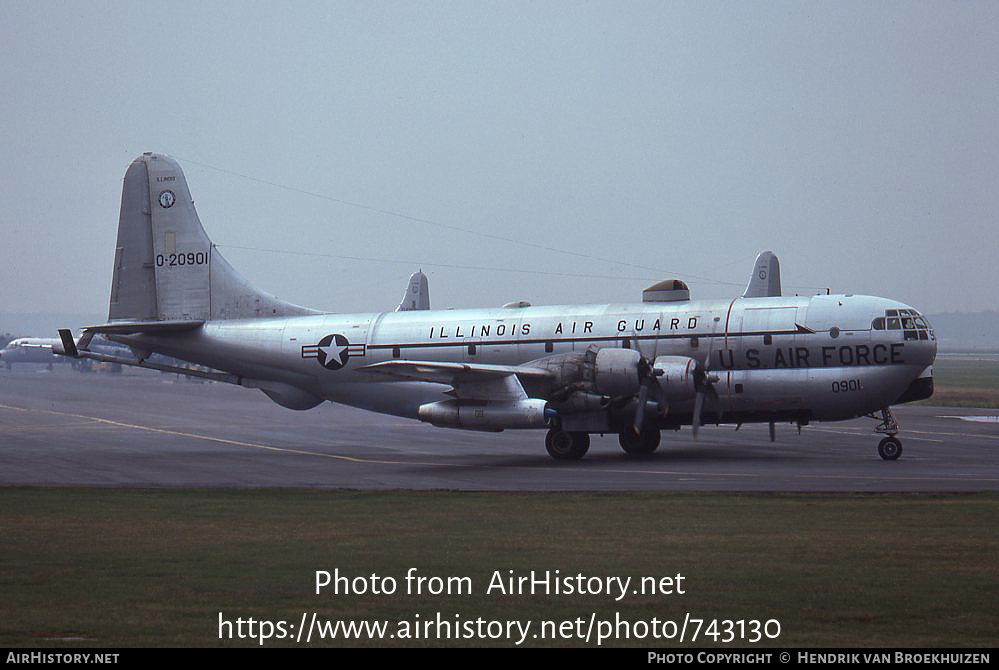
632	368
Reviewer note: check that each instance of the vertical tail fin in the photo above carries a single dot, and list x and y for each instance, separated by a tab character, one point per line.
133	286
417	296
765	280
166	268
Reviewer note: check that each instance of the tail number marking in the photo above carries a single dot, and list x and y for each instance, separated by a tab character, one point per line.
190	258
846	386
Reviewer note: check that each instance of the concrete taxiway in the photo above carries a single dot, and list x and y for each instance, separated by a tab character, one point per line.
142	429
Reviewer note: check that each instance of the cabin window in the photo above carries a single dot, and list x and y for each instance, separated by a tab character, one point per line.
738	388
396	353
626	343
693	341
768	339
549	347
471	350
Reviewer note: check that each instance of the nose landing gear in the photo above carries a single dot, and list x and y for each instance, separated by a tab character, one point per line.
890	448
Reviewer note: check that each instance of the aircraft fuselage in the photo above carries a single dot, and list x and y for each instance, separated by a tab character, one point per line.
795	358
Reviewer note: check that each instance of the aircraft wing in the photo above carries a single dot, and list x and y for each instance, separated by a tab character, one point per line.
472	381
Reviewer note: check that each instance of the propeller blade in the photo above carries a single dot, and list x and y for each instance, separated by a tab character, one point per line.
698	406
643	395
657	393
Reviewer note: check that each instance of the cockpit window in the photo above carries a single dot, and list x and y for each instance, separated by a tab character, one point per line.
910	321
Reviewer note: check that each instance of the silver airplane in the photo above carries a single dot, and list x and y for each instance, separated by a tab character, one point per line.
633	369
28	350
45	349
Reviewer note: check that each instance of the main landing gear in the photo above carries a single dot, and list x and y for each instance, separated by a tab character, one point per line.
563	445
890	448
644	443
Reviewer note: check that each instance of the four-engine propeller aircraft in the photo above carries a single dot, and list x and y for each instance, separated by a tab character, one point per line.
632	368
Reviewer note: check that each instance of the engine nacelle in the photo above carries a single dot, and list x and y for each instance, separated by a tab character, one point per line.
678	377
601	373
582	402
616	372
528	413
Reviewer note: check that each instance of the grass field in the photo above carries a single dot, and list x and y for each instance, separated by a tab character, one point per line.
965	383
141	568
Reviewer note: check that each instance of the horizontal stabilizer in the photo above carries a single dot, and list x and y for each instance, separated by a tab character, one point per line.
131	327
213	375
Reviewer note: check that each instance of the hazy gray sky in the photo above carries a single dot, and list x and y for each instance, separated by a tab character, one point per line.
859	141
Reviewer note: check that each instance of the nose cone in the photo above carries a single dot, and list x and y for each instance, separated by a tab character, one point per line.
918	335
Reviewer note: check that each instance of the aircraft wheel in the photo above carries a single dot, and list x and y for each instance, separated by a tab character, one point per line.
563	445
645	443
890	448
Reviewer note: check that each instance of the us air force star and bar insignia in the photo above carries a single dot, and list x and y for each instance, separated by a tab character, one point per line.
332	351
167	199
